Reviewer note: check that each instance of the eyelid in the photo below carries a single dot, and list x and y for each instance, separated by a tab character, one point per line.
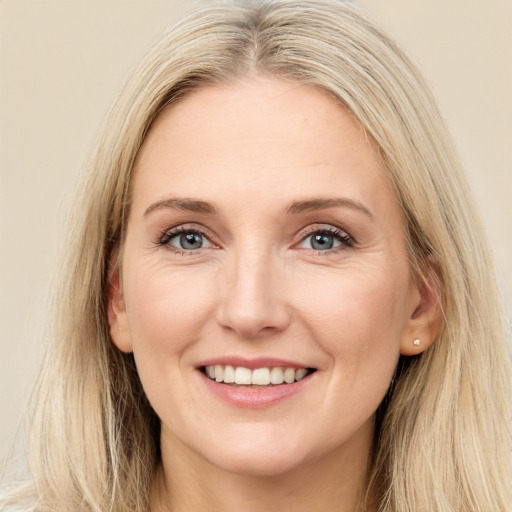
316	227
164	237
346	240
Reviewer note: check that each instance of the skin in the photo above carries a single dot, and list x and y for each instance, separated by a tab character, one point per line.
257	287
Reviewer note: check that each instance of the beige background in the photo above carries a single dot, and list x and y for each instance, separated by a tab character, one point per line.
62	62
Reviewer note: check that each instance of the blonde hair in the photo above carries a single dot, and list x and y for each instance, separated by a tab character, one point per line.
443	438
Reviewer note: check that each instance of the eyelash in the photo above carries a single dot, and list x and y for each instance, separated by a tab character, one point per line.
346	241
165	238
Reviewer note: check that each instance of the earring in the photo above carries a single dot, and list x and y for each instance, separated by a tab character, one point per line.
416	343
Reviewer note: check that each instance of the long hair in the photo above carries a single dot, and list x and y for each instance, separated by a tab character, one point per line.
443	440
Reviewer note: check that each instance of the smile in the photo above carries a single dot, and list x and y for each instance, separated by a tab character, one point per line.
266	376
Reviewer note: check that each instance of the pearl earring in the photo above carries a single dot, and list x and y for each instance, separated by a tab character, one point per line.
416	343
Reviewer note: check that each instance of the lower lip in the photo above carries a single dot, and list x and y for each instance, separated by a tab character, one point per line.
255	398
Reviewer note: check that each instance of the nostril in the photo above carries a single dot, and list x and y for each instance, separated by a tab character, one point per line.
251	306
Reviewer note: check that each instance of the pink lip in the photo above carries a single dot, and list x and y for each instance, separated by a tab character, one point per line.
252	364
249	397
254	398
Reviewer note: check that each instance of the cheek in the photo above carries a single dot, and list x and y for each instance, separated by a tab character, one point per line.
357	317
167	315
168	308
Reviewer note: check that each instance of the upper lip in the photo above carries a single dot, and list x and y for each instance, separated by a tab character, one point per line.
253	363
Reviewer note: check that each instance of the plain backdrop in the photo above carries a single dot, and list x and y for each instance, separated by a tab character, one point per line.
62	63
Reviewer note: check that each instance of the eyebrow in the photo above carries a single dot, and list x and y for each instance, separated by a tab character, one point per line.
186	204
307	205
320	204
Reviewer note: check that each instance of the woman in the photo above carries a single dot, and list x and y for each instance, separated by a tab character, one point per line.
277	296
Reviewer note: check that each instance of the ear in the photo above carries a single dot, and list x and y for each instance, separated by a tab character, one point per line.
425	313
117	317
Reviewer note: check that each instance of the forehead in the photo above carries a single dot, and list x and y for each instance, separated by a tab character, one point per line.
263	135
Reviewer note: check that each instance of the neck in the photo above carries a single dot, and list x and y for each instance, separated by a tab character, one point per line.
334	483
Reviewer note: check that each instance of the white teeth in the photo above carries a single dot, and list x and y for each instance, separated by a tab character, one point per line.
258	377
300	373
243	375
289	375
229	374
276	376
261	377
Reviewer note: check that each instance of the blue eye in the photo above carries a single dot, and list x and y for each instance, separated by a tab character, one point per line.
322	242
186	240
325	240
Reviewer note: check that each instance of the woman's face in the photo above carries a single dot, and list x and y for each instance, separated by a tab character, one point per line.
265	246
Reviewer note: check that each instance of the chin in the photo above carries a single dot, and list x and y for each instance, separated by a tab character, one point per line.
259	456
259	465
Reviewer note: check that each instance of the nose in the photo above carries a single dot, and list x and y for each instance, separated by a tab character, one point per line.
253	302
